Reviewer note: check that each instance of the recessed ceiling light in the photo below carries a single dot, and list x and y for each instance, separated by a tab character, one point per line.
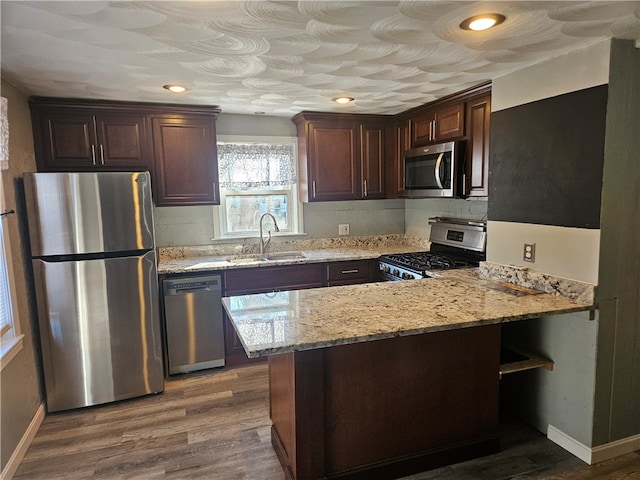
175	88
343	100
482	22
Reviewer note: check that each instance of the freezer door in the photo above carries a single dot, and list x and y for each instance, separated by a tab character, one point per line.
78	213
99	329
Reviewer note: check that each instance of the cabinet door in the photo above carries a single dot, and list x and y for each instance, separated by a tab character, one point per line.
333	161
477	161
64	140
423	129
402	144
122	141
439	125
186	160
449	123
372	158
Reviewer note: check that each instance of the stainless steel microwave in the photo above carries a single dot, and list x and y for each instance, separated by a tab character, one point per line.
434	170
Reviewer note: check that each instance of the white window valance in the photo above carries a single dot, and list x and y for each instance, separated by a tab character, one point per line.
251	165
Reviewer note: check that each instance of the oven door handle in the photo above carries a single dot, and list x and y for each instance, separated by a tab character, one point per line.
437	172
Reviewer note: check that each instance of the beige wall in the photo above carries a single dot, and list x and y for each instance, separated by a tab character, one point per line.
20	392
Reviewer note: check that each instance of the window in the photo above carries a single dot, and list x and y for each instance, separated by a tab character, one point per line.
257	176
11	340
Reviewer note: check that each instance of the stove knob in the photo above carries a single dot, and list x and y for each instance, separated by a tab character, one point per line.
396	272
407	276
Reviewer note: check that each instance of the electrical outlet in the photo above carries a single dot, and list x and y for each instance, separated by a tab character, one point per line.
343	229
529	254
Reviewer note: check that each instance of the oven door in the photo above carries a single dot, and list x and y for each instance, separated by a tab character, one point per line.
432	171
390	273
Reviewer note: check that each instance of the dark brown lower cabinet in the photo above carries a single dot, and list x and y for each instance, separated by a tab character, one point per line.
386	408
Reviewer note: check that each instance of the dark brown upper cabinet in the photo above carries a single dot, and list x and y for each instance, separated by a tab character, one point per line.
340	156
462	116
68	138
176	143
438	125
186	160
477	153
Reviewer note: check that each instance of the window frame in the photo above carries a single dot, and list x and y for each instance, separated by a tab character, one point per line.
11	338
295	221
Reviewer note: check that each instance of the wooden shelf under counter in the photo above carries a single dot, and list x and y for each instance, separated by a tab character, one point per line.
516	360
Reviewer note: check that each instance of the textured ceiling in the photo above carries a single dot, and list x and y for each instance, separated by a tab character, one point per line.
281	57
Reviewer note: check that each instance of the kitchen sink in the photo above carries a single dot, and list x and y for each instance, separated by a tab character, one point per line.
269	257
250	258
284	256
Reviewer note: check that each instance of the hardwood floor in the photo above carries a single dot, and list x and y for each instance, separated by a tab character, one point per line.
215	425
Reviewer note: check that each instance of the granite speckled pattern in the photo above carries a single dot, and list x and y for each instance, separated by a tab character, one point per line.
521	276
191	259
323	317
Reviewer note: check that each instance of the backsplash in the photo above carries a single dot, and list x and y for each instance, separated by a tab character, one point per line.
250	246
523	277
179	226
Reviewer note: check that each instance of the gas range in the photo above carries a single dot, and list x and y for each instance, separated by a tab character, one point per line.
455	243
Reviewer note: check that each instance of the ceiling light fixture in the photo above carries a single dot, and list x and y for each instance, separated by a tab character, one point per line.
482	22
343	100
175	88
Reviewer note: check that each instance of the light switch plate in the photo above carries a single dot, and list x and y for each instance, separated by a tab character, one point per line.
343	229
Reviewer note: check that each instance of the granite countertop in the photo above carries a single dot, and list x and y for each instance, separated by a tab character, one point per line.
196	263
322	317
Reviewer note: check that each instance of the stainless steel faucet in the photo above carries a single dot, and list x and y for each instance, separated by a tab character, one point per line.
263	244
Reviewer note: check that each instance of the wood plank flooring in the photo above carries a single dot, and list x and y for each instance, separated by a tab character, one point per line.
215	425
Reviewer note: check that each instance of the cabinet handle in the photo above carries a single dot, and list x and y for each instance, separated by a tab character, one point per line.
215	197
345	272
366	193
101	155
464	184
313	188
93	154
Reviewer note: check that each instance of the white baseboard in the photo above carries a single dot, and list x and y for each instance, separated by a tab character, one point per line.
597	454
23	445
570	444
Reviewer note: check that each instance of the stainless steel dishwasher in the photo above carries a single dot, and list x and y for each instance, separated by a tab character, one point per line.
193	321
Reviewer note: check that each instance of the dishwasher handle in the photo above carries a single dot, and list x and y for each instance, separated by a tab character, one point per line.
184	286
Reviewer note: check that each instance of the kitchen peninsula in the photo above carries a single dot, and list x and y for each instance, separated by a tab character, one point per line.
385	379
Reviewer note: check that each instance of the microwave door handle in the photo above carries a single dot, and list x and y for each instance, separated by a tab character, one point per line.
438	162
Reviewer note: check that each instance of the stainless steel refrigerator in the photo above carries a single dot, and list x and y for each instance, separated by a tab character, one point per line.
94	266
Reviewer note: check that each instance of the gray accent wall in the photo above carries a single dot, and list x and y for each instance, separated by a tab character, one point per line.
617	395
549	154
20	388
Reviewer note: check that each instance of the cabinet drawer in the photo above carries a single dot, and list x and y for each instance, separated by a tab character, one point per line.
348	273
270	279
